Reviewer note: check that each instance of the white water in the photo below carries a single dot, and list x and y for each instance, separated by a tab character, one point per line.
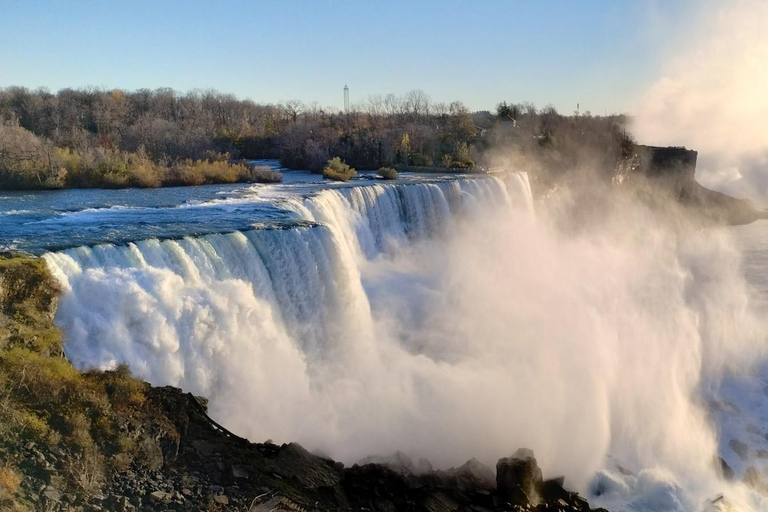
442	320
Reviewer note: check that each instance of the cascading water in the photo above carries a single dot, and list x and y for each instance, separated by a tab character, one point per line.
442	320
169	308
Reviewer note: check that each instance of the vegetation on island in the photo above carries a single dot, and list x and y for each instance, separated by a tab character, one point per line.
112	138
337	170
388	173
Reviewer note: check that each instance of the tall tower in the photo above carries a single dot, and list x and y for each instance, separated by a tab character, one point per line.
346	99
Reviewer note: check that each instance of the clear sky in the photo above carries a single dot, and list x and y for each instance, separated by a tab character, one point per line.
599	53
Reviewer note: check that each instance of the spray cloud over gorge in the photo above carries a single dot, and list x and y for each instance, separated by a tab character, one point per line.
711	97
445	320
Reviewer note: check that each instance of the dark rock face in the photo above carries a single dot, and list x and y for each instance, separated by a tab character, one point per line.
669	172
193	463
724	470
518	478
212	464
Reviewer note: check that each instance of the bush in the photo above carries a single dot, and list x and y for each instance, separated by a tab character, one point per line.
203	172
260	174
462	164
419	160
337	170
388	173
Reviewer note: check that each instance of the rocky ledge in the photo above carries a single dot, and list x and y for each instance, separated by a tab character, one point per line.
670	172
199	465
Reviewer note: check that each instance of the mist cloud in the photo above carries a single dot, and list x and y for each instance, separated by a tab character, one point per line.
713	97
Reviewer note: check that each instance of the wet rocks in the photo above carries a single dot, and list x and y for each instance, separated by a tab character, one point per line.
204	467
723	469
518	479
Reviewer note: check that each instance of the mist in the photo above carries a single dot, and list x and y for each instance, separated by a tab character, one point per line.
712	97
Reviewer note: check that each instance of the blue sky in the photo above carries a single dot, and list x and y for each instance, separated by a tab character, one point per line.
600	53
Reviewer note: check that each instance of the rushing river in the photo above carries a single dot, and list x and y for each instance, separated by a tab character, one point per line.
437	315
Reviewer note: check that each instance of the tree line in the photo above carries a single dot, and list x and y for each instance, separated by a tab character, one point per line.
113	138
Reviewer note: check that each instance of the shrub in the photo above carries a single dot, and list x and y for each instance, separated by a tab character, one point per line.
419	160
462	164
388	173
261	174
202	172
337	170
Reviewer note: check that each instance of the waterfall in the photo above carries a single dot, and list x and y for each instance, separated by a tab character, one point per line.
169	308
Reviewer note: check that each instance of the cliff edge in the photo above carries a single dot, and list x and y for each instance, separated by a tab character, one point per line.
670	172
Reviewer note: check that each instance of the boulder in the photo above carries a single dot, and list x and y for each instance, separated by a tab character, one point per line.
553	490
472	475
518	479
240	472
52	494
160	496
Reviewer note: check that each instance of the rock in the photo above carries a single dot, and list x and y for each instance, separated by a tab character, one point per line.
295	463
754	479
723	469
400	463
160	496
517	479
239	472
221	499
273	504
553	490
204	448
741	449
51	493
472	475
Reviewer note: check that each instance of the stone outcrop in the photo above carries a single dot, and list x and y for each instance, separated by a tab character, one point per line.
669	172
268	475
518	478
